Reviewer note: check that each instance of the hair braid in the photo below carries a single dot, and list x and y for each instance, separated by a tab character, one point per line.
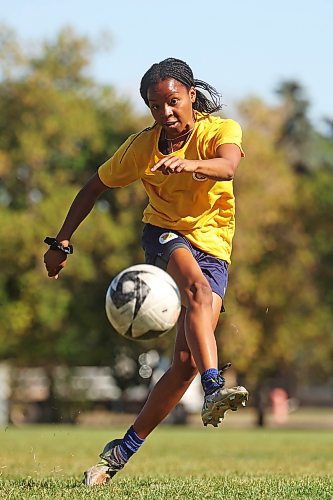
181	71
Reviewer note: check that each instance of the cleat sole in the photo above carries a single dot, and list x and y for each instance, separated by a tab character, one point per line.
214	415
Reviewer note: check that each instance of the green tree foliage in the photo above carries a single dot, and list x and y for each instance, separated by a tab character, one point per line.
56	126
305	147
270	252
314	204
279	329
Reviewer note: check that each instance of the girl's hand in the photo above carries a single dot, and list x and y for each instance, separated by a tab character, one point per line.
54	261
174	165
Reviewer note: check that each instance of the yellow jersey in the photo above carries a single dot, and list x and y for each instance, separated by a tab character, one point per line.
201	209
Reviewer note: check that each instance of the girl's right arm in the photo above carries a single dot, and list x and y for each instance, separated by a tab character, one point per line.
82	205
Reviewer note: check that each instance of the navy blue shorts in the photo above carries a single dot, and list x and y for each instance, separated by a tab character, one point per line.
159	243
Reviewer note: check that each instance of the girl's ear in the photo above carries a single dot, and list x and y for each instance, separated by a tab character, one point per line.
193	94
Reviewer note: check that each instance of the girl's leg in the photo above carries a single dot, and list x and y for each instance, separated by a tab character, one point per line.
171	386
195	343
200	317
175	381
198	298
162	399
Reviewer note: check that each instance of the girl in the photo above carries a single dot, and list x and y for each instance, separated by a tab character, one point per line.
186	162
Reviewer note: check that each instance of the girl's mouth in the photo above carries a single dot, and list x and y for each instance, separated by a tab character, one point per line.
170	124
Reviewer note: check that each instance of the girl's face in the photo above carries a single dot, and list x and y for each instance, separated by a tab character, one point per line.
171	105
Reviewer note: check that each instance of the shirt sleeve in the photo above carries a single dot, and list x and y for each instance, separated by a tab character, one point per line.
229	132
121	169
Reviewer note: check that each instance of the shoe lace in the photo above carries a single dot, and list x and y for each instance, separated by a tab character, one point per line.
219	379
113	457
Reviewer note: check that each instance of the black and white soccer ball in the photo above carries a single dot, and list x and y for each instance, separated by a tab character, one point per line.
143	302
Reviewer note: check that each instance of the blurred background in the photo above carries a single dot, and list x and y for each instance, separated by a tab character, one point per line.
69	80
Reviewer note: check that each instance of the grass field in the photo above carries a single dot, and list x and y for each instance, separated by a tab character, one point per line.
46	462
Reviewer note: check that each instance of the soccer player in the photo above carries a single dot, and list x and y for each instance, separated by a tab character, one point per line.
186	161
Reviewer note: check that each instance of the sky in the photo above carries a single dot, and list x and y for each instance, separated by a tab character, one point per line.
242	48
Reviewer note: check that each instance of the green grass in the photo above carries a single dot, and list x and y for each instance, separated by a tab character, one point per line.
46	462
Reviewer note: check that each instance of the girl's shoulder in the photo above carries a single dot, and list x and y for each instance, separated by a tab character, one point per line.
209	121
210	126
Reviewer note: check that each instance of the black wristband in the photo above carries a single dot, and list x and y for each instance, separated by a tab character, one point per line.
55	245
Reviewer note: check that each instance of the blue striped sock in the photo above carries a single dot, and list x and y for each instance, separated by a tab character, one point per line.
131	442
209	381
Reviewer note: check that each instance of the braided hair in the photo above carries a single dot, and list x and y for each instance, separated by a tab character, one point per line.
180	71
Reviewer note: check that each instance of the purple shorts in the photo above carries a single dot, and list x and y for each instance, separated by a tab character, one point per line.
159	243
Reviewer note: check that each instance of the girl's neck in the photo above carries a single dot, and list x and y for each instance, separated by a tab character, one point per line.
176	143
171	144
180	136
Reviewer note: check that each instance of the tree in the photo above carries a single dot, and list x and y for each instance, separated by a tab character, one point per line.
56	126
314	203
276	319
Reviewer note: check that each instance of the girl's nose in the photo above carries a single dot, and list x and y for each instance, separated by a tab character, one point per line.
167	111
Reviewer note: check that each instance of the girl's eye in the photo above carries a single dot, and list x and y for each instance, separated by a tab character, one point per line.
173	102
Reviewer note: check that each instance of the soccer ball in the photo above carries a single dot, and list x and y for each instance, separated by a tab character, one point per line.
143	302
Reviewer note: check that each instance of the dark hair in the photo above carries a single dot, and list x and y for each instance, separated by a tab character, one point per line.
180	71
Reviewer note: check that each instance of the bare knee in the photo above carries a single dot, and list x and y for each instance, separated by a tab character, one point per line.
199	294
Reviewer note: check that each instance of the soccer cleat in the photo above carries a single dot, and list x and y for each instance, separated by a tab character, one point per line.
111	461
223	399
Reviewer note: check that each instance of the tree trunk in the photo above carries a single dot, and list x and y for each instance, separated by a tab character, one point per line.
51	410
259	404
